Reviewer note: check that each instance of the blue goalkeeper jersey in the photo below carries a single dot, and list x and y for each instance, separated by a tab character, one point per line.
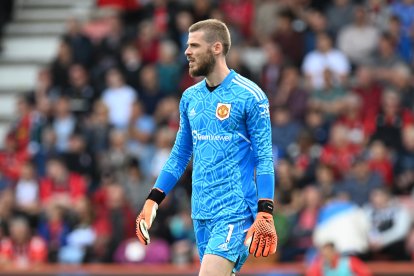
228	133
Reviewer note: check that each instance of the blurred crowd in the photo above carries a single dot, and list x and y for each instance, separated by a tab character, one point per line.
91	137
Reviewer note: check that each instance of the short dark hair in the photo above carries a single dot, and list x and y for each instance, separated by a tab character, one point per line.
214	30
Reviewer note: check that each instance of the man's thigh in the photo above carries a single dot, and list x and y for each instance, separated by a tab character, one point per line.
213	265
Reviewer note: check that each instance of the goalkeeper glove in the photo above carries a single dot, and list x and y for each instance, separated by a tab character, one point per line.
146	217
261	236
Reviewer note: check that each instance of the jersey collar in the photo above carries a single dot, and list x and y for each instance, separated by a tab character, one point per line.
226	82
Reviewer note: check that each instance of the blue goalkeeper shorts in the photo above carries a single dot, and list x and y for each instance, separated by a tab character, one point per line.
224	238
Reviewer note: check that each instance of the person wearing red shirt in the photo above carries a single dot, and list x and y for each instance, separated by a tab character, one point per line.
12	160
331	262
239	13
352	118
60	186
22	249
339	153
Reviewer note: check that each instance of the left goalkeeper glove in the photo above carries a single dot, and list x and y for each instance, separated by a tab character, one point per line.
261	237
146	217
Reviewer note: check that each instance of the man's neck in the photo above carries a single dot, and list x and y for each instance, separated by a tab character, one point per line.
218	74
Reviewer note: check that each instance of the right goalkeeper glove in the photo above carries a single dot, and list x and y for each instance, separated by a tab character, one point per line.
146	217
261	237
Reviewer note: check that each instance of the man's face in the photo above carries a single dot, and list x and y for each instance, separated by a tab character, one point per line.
199	55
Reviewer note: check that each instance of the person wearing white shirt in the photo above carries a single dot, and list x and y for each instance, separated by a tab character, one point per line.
325	57
119	98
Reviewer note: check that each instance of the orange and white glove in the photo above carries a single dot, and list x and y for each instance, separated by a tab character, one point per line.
261	237
146	217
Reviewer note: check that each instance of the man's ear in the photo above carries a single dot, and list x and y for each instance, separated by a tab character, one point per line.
217	48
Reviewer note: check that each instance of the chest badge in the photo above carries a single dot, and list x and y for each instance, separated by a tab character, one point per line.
223	111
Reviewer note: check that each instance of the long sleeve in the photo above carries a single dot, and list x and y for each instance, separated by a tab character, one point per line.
260	132
180	154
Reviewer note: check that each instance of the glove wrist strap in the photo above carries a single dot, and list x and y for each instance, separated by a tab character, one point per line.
265	206
156	195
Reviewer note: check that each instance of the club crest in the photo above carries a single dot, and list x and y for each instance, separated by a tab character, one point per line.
223	111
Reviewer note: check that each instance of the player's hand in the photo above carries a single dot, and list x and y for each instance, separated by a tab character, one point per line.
145	220
261	237
146	217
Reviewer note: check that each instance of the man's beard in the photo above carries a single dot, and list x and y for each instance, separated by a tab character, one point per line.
205	65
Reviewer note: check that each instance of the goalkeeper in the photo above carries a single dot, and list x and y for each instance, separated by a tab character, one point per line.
225	126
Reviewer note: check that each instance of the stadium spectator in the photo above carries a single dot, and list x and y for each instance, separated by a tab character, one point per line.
78	159
330	261
80	240
304	155
290	94
272	69
352	119
404	165
20	130
402	38
325	181
21	248
82	51
302	225
131	65
235	61
147	42
60	65
329	98
97	128
239	16
61	187
370	92
378	13
390	120
325	58
150	93
317	23
404	9
26	194
359	182
401	81
168	68
108	50
12	160
44	87
385	59
164	140
136	184
379	160
339	152
115	213
117	156
317	126
64	123
140	133
285	129
80	92
359	39
290	40
339	13
119	98
54	228
390	224
167	113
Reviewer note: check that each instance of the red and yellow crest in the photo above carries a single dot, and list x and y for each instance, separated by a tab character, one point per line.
223	111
